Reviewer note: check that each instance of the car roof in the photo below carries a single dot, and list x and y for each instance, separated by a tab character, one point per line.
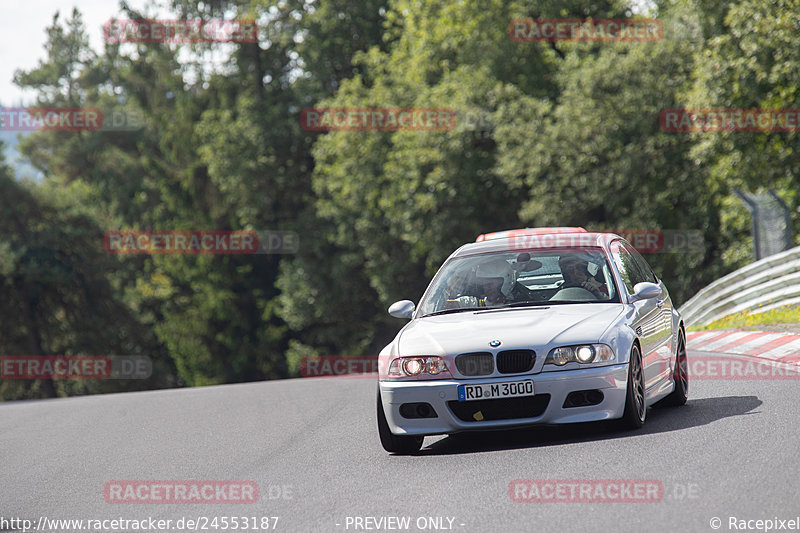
528	231
521	240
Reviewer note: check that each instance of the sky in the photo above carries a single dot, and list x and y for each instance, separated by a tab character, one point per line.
22	35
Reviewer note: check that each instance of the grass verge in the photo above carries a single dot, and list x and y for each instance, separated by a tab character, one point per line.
781	315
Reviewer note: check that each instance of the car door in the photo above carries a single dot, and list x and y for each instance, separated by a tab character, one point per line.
647	318
664	303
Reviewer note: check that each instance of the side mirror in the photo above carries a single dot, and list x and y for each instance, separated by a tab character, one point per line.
402	309
645	291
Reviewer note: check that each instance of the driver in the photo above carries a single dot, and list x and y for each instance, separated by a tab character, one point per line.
491	288
495	280
576	274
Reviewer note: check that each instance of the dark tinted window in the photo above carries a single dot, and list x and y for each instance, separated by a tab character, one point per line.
644	268
629	268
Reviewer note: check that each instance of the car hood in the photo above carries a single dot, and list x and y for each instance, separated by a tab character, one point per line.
528	327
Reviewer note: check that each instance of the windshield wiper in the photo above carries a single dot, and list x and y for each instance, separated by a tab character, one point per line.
527	303
456	310
558	302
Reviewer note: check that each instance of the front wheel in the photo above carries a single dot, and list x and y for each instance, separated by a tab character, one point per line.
399	444
635	407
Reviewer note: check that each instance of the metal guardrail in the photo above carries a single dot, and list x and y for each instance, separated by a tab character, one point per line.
766	284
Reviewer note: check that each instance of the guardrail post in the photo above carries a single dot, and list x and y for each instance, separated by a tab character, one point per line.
769	213
753	208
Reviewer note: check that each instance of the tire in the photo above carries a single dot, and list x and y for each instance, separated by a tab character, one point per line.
398	444
635	405
680	376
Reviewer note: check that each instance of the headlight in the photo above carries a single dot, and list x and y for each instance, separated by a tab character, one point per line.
582	353
435	365
414	366
585	354
559	356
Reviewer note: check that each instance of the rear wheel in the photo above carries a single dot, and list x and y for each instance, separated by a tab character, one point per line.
680	376
399	444
635	407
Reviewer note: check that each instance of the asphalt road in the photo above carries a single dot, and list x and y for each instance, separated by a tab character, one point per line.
311	446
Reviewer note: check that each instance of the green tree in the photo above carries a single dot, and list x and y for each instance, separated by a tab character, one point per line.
751	62
392	206
59	297
220	149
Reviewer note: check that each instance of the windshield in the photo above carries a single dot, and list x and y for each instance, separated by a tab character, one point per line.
512	279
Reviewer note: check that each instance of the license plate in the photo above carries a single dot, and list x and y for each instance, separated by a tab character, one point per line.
490	391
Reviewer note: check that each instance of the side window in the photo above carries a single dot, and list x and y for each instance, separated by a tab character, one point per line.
644	268
606	277
626	263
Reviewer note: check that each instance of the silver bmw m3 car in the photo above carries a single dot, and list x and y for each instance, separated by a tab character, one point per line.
532	326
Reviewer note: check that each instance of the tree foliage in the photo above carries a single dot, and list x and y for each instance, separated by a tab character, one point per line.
546	134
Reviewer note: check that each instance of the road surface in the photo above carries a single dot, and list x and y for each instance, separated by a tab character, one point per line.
311	447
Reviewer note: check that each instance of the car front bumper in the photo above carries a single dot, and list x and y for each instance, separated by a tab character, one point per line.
610	380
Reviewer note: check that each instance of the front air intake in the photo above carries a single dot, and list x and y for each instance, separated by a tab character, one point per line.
515	361
475	364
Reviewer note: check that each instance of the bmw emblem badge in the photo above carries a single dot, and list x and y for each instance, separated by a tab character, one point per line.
494	343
